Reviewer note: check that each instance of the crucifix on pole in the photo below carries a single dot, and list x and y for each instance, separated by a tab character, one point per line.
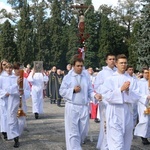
81	9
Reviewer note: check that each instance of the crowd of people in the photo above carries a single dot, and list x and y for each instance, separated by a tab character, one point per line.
37	84
121	98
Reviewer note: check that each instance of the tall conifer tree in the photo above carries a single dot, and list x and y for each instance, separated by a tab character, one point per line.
91	42
143	38
40	31
24	35
7	42
73	40
133	51
56	33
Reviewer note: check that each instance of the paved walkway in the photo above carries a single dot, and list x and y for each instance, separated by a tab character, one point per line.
47	132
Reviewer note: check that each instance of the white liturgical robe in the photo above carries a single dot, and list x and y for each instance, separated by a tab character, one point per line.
37	81
4	85
98	85
142	129
119	113
76	107
16	124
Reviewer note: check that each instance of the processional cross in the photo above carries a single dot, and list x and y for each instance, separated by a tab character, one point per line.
79	8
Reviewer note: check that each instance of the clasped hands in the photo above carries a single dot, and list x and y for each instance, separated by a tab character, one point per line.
77	89
98	97
125	86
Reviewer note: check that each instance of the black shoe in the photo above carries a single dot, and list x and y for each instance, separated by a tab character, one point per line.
36	115
96	120
16	139
5	135
51	101
145	141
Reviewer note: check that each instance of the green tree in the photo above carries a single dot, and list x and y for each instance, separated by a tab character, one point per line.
133	53
143	37
56	33
111	34
128	12
69	35
24	35
7	43
104	38
91	43
39	31
73	43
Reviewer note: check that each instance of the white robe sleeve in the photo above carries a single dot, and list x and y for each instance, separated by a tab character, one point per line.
111	94
14	89
26	88
66	91
133	95
2	91
143	96
91	93
98	82
30	78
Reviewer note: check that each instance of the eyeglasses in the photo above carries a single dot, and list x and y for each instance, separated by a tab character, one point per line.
111	59
146	72
123	63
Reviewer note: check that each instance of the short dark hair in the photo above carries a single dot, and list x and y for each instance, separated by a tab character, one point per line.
144	68
77	59
73	58
121	56
16	65
109	54
129	66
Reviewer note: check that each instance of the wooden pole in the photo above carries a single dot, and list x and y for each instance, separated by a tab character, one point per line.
21	76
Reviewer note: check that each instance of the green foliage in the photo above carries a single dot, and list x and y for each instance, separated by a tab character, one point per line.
56	34
128	11
133	53
143	38
48	31
24	36
110	36
91	43
73	39
7	44
40	44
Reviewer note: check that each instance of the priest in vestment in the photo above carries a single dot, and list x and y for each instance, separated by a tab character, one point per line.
53	86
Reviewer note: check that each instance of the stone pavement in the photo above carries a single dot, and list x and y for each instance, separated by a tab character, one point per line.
47	132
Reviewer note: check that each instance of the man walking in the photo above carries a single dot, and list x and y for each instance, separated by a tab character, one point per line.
76	89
